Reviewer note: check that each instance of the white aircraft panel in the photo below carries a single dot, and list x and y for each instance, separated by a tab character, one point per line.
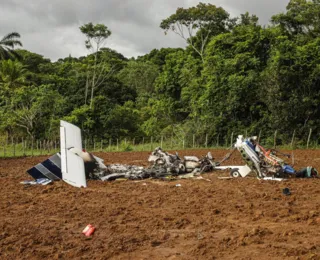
72	165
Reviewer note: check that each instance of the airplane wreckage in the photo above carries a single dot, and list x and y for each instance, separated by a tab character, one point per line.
75	166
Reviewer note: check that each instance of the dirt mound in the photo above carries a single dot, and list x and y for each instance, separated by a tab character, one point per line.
202	219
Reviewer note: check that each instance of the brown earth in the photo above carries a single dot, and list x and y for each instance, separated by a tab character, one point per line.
242	218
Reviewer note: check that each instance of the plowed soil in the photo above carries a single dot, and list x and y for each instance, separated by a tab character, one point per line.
210	218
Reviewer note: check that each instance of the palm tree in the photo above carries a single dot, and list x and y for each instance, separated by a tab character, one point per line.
7	45
12	75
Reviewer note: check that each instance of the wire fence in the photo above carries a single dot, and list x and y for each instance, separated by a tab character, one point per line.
18	148
15	147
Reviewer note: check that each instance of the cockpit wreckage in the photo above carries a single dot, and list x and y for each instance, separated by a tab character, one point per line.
75	166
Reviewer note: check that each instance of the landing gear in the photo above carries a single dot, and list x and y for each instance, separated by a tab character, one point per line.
234	173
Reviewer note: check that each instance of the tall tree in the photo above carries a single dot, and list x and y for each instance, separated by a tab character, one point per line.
7	44
96	38
32	109
302	18
291	86
231	72
196	25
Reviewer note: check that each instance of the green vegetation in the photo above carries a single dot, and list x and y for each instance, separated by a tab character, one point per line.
234	76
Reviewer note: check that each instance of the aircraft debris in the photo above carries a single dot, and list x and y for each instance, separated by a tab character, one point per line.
265	163
41	181
74	165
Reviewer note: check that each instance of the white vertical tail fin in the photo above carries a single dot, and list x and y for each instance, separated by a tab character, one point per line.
72	165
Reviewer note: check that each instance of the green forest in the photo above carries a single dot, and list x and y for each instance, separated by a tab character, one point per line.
234	76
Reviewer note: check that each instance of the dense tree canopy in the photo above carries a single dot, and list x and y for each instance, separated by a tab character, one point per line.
233	76
196	25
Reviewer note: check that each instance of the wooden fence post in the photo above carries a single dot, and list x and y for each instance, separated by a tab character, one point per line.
12	147
275	140
7	144
310	132
142	143
5	147
292	139
206	140
193	140
32	146
25	147
231	141
151	143
23	150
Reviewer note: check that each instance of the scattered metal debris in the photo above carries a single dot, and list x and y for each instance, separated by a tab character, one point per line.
163	165
286	191
75	165
41	181
263	162
48	169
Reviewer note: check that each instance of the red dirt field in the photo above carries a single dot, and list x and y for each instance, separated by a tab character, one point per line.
242	218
